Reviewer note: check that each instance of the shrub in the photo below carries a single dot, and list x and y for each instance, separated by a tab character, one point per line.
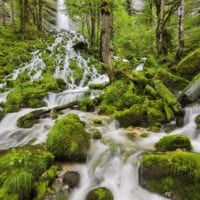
173	142
67	139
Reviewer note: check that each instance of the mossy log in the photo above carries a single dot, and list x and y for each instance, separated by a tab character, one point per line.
28	120
166	95
191	92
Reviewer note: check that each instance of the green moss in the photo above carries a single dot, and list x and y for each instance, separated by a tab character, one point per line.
173	82
166	95
177	173
107	110
97	121
173	142
20	168
134	116
120	95
189	66
21	183
87	104
101	193
97	86
67	139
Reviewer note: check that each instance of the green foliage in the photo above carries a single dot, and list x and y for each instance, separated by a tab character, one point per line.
173	142
21	183
20	168
177	172
101	193
67	139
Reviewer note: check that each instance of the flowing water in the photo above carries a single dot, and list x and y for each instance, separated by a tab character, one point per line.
112	161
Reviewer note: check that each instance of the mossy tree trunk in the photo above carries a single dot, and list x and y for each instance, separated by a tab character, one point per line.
181	31
105	37
12	6
3	12
40	4
160	27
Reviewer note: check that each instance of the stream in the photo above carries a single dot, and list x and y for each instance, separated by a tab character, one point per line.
112	161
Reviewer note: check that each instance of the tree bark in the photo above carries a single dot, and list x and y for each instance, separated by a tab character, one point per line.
105	38
181	31
12	14
3	13
40	2
160	28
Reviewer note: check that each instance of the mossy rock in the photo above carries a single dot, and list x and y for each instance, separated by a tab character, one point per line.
87	104
197	121
173	142
21	183
68	140
97	121
134	116
172	174
101	193
97	86
189	66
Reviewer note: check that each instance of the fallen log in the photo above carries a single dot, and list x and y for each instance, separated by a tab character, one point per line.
28	120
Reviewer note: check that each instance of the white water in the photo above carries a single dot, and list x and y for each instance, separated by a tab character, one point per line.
138	5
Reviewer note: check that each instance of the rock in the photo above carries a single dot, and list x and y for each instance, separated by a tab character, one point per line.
72	179
101	193
173	142
80	46
191	92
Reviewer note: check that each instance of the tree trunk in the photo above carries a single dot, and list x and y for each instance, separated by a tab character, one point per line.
105	38
3	13
160	28
181	31
13	14
40	2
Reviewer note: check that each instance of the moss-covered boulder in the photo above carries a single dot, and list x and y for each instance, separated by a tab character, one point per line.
68	140
134	116
189	66
173	174
173	142
87	104
101	193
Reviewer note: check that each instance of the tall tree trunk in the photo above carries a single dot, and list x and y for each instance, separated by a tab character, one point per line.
93	23
105	38
3	13
160	28
181	31
40	2
13	14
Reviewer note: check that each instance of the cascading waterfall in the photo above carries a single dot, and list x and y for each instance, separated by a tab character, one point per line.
113	160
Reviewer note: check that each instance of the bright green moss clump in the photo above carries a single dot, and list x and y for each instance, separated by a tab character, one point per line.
101	193
67	139
173	142
177	174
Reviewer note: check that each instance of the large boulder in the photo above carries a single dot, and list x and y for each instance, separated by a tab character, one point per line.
68	140
101	193
175	175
